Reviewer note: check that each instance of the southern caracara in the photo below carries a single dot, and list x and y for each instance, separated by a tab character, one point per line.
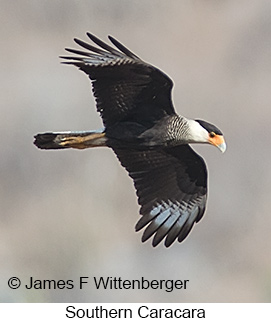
150	140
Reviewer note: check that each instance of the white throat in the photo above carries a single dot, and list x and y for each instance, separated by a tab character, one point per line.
196	133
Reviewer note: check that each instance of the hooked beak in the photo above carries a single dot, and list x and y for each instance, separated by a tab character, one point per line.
219	142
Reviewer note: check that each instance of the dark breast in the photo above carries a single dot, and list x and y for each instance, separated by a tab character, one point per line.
168	131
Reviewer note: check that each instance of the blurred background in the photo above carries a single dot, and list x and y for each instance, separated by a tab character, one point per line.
66	214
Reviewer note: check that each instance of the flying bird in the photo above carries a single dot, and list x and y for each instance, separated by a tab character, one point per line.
150	140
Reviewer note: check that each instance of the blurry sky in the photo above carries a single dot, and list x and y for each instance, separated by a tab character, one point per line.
66	214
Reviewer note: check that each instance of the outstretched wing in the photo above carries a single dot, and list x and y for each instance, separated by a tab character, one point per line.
125	87
171	186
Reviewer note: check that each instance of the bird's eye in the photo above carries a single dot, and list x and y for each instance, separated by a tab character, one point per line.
212	134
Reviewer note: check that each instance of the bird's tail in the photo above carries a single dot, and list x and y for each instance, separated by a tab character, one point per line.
62	140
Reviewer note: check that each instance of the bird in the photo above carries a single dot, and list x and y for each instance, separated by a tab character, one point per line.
151	141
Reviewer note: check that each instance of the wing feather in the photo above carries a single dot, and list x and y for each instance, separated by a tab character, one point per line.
122	48
171	185
125	87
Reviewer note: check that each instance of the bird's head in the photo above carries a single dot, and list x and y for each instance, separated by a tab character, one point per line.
205	132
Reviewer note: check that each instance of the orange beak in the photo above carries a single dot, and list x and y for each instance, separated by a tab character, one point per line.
219	142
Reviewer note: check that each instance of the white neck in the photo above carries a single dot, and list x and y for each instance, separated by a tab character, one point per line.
196	133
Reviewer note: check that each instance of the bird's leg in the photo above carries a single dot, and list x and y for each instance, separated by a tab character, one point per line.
79	141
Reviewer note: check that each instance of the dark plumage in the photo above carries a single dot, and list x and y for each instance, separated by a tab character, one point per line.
149	138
